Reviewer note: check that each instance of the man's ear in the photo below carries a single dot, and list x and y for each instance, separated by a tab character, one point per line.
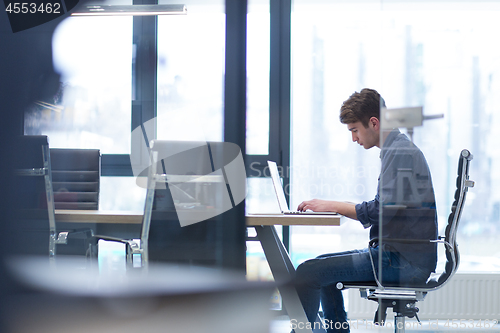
375	122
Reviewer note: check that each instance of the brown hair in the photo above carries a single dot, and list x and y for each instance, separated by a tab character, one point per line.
361	106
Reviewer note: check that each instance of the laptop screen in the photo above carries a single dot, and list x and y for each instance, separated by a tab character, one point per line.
278	187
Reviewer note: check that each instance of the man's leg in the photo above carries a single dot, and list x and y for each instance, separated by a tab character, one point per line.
316	281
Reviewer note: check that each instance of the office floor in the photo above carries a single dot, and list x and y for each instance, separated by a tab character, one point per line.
281	324
112	258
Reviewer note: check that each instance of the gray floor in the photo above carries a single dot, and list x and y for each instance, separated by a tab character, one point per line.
112	259
281	324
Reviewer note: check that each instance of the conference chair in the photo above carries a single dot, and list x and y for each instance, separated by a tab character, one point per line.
192	189
182	189
403	299
35	227
76	178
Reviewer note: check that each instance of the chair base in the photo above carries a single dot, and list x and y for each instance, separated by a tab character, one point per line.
402	304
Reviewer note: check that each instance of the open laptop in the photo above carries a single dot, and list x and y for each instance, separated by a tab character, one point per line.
280	194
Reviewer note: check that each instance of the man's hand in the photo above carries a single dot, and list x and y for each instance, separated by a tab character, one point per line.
347	209
316	205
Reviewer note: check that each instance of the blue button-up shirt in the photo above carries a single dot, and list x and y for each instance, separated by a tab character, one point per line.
404	205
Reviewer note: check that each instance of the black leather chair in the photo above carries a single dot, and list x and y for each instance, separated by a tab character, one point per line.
35	226
76	178
403	299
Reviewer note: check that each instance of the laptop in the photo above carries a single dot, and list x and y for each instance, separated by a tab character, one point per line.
280	194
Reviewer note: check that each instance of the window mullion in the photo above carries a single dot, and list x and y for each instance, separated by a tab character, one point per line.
144	85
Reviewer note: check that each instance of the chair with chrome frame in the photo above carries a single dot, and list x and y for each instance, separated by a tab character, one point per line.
35	230
403	299
135	246
139	247
177	181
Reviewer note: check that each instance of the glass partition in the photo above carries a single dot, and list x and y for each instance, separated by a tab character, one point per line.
436	55
450	68
400	242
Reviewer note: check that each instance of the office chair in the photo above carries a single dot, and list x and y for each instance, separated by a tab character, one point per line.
403	299
76	178
140	246
182	189
190	188
36	231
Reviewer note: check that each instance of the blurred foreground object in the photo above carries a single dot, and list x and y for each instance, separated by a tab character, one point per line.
70	296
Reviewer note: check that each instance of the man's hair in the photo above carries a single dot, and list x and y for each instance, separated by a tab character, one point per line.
361	106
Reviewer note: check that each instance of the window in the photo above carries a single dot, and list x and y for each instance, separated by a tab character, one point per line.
111	84
191	54
93	107
260	197
258	40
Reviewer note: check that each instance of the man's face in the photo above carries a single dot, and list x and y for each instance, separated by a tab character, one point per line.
367	137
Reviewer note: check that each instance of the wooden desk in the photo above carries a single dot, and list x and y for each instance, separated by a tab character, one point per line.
99	216
135	217
274	250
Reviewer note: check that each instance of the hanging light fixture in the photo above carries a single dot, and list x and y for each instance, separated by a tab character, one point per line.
129	10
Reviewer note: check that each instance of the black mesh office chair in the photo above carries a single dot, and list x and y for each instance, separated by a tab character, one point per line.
35	225
403	299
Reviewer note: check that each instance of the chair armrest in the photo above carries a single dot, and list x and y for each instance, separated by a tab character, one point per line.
111	239
131	243
81	233
63	236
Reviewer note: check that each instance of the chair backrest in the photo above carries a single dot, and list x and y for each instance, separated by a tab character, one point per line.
450	238
35	229
76	178
185	185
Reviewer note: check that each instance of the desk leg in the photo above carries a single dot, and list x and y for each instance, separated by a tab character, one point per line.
283	271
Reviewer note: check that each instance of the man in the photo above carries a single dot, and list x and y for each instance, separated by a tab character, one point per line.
404	207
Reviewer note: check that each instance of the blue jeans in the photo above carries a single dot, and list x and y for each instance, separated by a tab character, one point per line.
316	280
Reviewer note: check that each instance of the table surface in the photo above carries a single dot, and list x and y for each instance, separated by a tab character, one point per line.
135	217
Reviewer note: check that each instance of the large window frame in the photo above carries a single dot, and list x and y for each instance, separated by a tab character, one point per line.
145	90
144	108
279	100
